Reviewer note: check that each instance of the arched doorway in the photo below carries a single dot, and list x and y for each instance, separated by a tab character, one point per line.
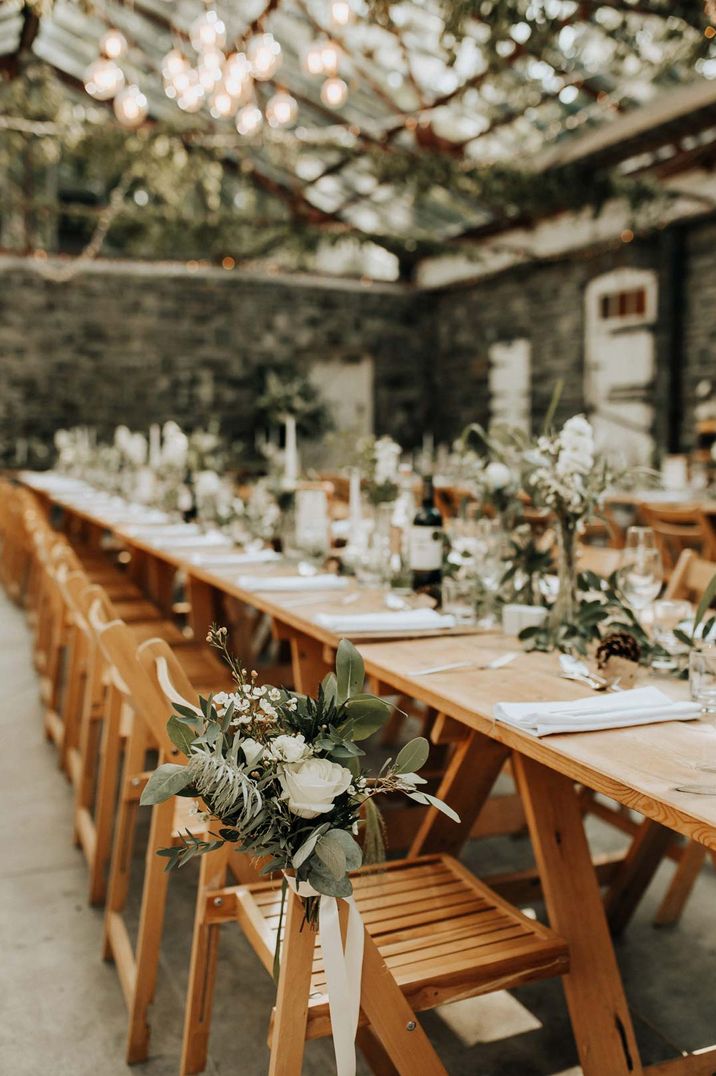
620	313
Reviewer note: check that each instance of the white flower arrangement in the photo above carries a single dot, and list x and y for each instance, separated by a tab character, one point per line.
562	471
380	465
281	773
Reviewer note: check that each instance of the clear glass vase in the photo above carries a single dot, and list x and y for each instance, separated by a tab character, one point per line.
564	610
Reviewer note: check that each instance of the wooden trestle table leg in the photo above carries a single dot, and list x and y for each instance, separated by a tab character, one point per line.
597	1005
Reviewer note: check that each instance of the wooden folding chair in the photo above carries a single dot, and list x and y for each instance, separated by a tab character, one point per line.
104	719
676	528
598	559
653	842
689	580
137	966
433	934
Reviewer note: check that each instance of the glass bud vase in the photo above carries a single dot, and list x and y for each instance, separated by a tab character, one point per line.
564	610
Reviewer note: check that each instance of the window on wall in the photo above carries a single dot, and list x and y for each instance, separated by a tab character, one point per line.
347	388
623	304
509	382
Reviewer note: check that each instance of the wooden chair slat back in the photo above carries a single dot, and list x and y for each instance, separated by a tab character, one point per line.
690	577
164	670
598	559
149	705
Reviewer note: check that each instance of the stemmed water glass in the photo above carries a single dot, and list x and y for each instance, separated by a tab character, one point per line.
642	572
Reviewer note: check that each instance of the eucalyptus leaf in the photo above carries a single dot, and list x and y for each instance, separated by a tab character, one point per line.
351	848
413	756
350	671
324	882
164	783
181	735
331	853
308	845
706	599
432	801
367	714
330	687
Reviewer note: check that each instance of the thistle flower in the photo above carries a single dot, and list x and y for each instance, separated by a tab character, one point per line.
224	785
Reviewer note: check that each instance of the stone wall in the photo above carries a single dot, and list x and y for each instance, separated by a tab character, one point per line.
544	302
140	343
133	343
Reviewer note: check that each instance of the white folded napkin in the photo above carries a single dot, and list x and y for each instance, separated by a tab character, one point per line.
324	581
164	529
407	620
178	541
641	706
230	560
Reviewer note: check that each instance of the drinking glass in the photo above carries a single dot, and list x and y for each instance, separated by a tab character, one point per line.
642	571
460	599
702	676
668	615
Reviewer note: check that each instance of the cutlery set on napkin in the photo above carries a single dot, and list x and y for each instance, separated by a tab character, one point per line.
640	706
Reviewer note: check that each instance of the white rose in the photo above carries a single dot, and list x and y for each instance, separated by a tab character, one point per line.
289	748
311	786
498	475
253	751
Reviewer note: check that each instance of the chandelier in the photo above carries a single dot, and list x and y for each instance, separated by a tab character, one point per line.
207	72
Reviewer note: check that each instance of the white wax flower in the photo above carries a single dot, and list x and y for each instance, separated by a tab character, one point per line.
387	460
136	449
311	786
576	447
207	484
175	447
122	437
498	475
289	748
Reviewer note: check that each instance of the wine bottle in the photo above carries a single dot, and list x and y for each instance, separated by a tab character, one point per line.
186	501
426	544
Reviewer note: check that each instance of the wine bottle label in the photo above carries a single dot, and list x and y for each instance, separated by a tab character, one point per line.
426	549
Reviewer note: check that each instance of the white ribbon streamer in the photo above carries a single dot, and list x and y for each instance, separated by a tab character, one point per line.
344	968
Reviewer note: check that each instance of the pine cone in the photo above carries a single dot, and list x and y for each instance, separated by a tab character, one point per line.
618	644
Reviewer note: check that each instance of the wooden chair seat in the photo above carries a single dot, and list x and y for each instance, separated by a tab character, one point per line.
132	611
443	934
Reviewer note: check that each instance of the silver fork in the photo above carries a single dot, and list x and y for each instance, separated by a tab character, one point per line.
496	663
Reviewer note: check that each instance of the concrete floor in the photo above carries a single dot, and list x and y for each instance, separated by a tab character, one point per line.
61	1008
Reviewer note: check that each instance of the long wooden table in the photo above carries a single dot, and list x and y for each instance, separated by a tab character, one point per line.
639	767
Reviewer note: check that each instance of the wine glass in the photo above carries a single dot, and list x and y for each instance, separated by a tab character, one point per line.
642	571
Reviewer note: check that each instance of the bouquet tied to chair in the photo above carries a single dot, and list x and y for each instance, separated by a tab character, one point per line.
281	773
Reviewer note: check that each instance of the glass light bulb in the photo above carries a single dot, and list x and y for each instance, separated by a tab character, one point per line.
334	92
190	96
331	56
174	63
130	106
210	68
341	12
207	32
281	110
313	58
222	104
113	44
236	71
249	120
103	79
264	55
